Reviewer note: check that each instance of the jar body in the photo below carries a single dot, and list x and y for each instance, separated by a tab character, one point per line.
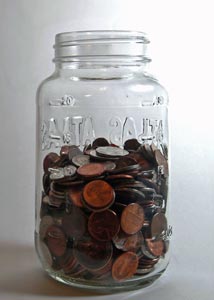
102	178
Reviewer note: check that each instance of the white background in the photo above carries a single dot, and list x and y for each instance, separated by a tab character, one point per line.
182	49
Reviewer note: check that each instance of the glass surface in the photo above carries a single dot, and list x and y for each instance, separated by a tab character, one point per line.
102	164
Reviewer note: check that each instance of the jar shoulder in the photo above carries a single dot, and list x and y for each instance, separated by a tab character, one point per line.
144	86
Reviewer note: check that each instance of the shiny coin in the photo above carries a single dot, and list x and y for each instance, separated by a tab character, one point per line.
99	142
93	155
127	242
110	151
56	240
156	248
103	226
125	266
91	170
161	161
74	223
69	170
56	173
132	218
158	225
131	144
50	161
109	165
92	254
81	160
98	194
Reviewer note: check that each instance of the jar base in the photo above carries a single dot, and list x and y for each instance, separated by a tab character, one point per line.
105	288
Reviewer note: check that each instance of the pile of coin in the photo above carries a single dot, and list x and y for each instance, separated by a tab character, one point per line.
103	210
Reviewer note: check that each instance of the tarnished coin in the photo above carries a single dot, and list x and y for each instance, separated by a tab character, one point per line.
145	165
92	254
109	151
45	223
156	248
75	195
127	242
69	170
158	225
56	240
147	152
64	151
103	226
161	161
98	194
91	170
74	223
132	218
50	160
131	144
129	195
125	266
81	160
99	142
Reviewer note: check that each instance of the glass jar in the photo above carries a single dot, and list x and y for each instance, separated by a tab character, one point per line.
102	164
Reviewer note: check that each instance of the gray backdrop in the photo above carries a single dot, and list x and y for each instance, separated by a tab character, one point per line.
182	49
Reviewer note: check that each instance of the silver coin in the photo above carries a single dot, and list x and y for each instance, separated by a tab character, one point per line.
81	160
110	151
69	170
56	173
109	165
144	271
46	221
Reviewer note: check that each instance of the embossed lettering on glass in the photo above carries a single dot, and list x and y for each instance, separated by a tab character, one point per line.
102	173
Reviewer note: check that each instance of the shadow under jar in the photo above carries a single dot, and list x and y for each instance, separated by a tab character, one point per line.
102	164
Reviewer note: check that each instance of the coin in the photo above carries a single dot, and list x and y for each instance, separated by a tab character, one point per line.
125	266
81	160
103	226
127	242
69	170
132	218
109	151
98	194
93	155
131	144
45	223
56	240
73	151
158	225
99	142
156	248
75	195
56	173
161	161
109	165
74	223
92	254
129	195
91	170
64	151
50	161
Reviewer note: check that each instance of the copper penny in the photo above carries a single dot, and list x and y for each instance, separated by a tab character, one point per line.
132	218
158	225
98	194
92	254
156	248
103	226
50	160
75	195
99	142
125	266
127	242
74	223
65	151
56	240
131	144
91	170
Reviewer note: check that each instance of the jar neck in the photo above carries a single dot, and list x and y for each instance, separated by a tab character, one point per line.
102	53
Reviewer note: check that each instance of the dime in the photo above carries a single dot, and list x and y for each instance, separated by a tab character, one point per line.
81	160
103	226
98	194
132	218
50	161
110	151
91	170
125	266
56	240
92	254
56	173
69	170
74	223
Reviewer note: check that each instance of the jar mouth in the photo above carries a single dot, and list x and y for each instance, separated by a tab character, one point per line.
101	45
